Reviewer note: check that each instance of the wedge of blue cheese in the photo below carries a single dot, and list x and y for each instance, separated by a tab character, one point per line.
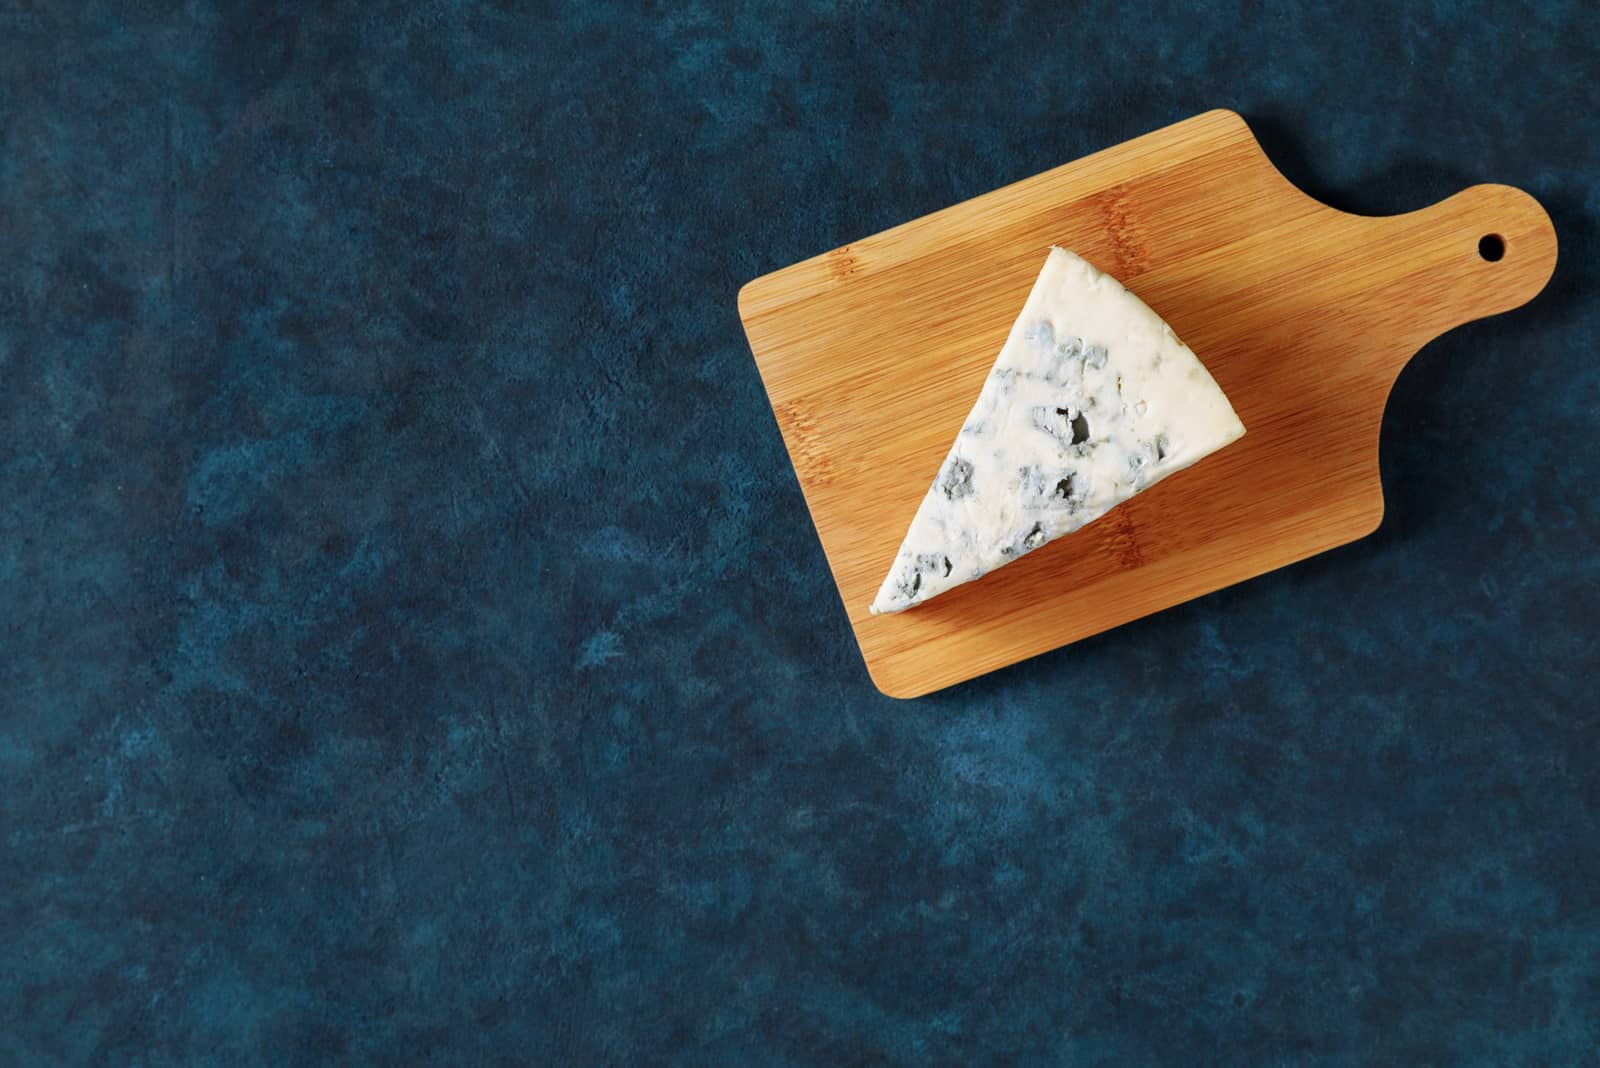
1092	399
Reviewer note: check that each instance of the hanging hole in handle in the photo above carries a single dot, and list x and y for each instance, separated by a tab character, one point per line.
1492	247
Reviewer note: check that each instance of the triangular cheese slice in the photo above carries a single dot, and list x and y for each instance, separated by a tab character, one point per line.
1092	399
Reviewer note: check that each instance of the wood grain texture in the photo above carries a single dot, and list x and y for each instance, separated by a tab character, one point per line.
872	355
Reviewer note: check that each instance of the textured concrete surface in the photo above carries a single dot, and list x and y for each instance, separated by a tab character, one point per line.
414	647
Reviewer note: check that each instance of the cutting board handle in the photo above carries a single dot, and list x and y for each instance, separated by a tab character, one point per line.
1483	251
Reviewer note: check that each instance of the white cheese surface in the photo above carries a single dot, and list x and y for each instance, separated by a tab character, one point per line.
1092	399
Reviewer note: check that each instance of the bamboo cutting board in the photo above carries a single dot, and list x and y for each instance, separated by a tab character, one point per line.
872	355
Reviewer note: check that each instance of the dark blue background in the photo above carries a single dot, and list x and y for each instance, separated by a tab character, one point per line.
414	645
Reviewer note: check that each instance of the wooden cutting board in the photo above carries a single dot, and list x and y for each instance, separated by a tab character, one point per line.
872	355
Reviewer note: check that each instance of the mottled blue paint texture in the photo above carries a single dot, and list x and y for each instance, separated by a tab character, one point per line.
414	645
